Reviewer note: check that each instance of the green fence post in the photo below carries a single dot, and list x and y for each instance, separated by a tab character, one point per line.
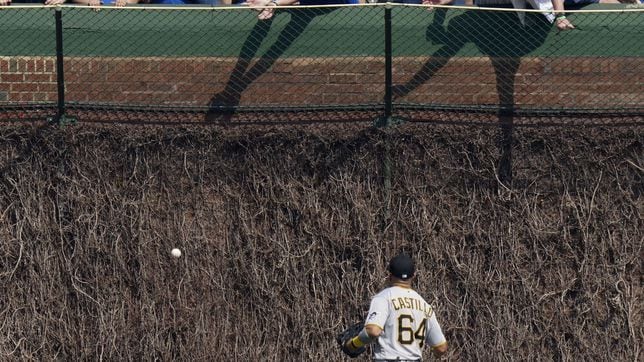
388	62
386	183
61	117
387	119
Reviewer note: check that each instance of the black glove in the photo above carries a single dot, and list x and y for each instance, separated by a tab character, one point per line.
347	335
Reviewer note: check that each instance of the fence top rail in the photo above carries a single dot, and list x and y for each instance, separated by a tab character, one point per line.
630	8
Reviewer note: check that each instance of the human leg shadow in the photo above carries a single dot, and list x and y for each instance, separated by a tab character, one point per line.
224	104
516	41
452	41
501	37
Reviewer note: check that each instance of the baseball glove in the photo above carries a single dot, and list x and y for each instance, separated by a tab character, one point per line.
346	336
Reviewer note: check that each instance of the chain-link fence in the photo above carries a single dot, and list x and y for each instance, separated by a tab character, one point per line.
326	63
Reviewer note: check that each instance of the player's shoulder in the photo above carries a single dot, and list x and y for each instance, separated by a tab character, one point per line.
404	291
417	295
395	292
385	293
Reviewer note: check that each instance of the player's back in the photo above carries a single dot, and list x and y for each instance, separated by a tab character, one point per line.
402	314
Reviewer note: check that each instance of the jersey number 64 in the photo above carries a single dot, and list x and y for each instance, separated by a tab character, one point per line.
406	332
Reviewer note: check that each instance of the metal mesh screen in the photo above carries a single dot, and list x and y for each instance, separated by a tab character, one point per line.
223	64
27	64
211	63
493	60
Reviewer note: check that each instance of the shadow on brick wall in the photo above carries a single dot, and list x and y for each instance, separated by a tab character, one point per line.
223	105
504	39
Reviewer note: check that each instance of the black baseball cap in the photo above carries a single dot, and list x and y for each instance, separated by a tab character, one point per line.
402	266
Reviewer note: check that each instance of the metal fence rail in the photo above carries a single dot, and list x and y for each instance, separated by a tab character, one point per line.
324	63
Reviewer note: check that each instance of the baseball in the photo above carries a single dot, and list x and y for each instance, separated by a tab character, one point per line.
176	252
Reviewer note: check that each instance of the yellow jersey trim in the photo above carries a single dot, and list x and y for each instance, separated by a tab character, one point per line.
356	342
440	344
375	324
401	285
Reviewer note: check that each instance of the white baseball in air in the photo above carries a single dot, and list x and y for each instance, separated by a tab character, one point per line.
176	252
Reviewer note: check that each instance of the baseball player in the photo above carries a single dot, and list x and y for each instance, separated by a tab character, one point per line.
400	322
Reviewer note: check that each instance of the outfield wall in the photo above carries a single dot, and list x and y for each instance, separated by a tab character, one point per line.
215	59
286	233
310	81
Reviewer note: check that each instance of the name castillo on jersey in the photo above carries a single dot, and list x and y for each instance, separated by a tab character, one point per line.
407	322
399	303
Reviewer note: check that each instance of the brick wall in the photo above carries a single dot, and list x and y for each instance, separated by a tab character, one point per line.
578	82
27	79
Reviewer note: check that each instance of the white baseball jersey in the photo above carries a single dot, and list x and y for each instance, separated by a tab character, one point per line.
407	321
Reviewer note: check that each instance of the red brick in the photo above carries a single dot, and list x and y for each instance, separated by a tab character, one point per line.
299	98
173	66
196	88
106	87
531	66
199	67
40	65
200	98
92	77
343	78
602	88
142	65
134	65
373	78
146	77
24	87
22	65
12	78
485	98
30	65
489	78
13	65
170	77
74	87
38	77
47	87
82	67
346	88
263	88
76	96
116	77
40	97
50	65
160	87
307	78
105	66
25	97
344	98
108	67
284	66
